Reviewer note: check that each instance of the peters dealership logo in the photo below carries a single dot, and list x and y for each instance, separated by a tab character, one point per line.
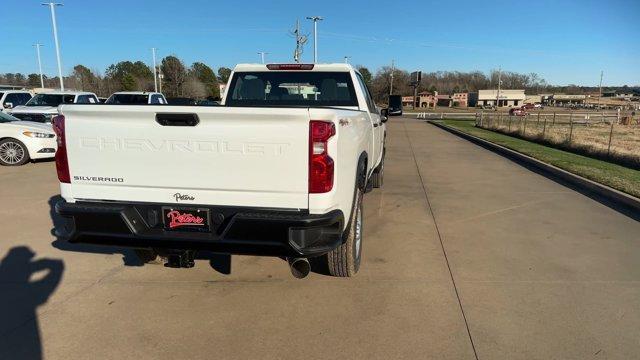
183	197
178	219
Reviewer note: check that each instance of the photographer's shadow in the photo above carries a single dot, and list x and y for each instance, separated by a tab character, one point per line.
25	284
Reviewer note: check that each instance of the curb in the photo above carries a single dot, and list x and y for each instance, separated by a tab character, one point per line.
613	198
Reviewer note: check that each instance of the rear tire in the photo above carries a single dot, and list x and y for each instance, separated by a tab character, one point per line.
13	152
344	261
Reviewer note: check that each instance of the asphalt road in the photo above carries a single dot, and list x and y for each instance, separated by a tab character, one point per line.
466	255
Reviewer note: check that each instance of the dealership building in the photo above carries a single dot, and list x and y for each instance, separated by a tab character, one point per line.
510	98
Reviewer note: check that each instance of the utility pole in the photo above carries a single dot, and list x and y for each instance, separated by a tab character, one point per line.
262	54
393	69
315	36
499	84
346	59
39	64
52	6
155	70
160	76
300	41
599	96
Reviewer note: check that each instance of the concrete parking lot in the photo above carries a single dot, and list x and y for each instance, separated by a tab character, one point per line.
466	255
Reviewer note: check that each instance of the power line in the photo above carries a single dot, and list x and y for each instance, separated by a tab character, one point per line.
300	41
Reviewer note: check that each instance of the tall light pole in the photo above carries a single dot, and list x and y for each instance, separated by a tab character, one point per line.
315	36
393	69
499	83
346	59
599	96
155	70
39	64
262	54
52	6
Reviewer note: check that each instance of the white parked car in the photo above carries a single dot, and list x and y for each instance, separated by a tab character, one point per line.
279	169
43	107
12	98
136	98
21	141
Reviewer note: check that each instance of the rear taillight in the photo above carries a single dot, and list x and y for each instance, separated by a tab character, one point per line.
62	163
320	163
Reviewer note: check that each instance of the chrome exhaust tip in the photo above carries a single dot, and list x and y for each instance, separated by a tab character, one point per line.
300	267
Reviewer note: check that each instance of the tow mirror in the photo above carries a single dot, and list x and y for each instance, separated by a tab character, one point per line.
384	115
8	105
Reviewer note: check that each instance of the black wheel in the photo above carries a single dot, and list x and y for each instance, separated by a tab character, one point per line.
13	152
377	178
146	255
344	261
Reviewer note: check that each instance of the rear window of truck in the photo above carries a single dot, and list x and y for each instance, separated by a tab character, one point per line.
295	88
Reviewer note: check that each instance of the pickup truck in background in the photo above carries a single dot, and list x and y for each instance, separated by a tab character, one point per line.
279	169
44	106
395	105
136	98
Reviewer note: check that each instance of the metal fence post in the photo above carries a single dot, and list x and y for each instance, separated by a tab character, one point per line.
570	127
481	116
441	116
538	117
510	116
524	130
544	127
610	137
554	119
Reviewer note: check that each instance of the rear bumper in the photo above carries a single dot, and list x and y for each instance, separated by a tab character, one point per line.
233	230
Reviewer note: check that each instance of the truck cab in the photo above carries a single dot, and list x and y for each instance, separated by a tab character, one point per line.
12	98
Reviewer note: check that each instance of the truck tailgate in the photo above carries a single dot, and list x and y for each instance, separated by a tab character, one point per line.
233	156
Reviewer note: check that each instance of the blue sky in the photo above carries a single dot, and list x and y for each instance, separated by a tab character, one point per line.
563	41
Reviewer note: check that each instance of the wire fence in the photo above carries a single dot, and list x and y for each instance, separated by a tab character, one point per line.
611	135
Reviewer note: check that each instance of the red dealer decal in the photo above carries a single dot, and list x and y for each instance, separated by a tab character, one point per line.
178	219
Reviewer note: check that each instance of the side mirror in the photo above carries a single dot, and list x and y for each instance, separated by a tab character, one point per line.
8	105
384	115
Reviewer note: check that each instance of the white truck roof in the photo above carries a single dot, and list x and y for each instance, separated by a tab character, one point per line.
136	92
67	93
14	91
316	67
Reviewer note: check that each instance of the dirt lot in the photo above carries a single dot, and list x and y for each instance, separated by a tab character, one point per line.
466	256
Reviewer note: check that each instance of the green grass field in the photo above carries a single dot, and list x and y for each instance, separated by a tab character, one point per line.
615	176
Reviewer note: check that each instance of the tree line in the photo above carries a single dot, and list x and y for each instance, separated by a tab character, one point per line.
178	80
201	81
449	82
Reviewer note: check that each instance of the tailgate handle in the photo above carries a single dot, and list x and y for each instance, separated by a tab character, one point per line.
173	119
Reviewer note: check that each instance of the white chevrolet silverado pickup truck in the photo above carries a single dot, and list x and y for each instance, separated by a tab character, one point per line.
280	169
